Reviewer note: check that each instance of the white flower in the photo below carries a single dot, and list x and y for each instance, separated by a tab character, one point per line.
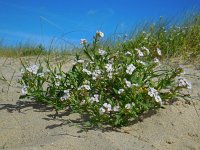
128	53
116	108
152	92
141	62
158	51
102	110
144	48
95	98
83	41
102	52
120	91
156	60
107	106
140	53
24	90
128	83
33	69
97	71
109	67
130	68
184	83
95	74
80	61
158	99
128	106
99	33
87	87
64	97
87	71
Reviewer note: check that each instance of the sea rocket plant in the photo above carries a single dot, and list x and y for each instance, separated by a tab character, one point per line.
110	86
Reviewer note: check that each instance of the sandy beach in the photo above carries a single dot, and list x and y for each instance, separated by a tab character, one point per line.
26	125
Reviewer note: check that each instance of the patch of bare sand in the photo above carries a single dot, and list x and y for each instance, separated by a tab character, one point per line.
25	125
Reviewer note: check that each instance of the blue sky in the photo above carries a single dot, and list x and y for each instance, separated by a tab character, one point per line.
42	20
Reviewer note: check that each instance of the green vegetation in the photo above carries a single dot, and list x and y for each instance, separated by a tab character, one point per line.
114	81
21	50
175	39
109	86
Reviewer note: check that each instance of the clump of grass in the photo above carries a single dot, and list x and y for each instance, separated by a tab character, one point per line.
180	38
22	50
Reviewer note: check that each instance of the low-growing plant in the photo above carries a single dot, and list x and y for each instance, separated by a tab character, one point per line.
110	86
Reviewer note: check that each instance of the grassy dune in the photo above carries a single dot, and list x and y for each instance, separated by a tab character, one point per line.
174	39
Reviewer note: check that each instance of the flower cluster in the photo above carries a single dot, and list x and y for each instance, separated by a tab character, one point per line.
87	87
140	53
95	98
83	41
33	69
66	95
106	108
130	68
184	83
154	93
102	52
109	67
100	34
96	74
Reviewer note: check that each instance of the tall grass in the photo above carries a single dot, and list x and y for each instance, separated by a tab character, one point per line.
175	38
21	50
180	38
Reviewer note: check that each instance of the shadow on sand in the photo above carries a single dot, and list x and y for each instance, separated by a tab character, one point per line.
81	121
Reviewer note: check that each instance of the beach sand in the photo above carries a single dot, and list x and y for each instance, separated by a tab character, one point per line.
26	125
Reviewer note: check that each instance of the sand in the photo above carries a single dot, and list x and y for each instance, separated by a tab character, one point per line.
26	125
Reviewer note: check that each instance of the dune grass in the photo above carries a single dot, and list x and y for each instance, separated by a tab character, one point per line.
175	39
21	50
